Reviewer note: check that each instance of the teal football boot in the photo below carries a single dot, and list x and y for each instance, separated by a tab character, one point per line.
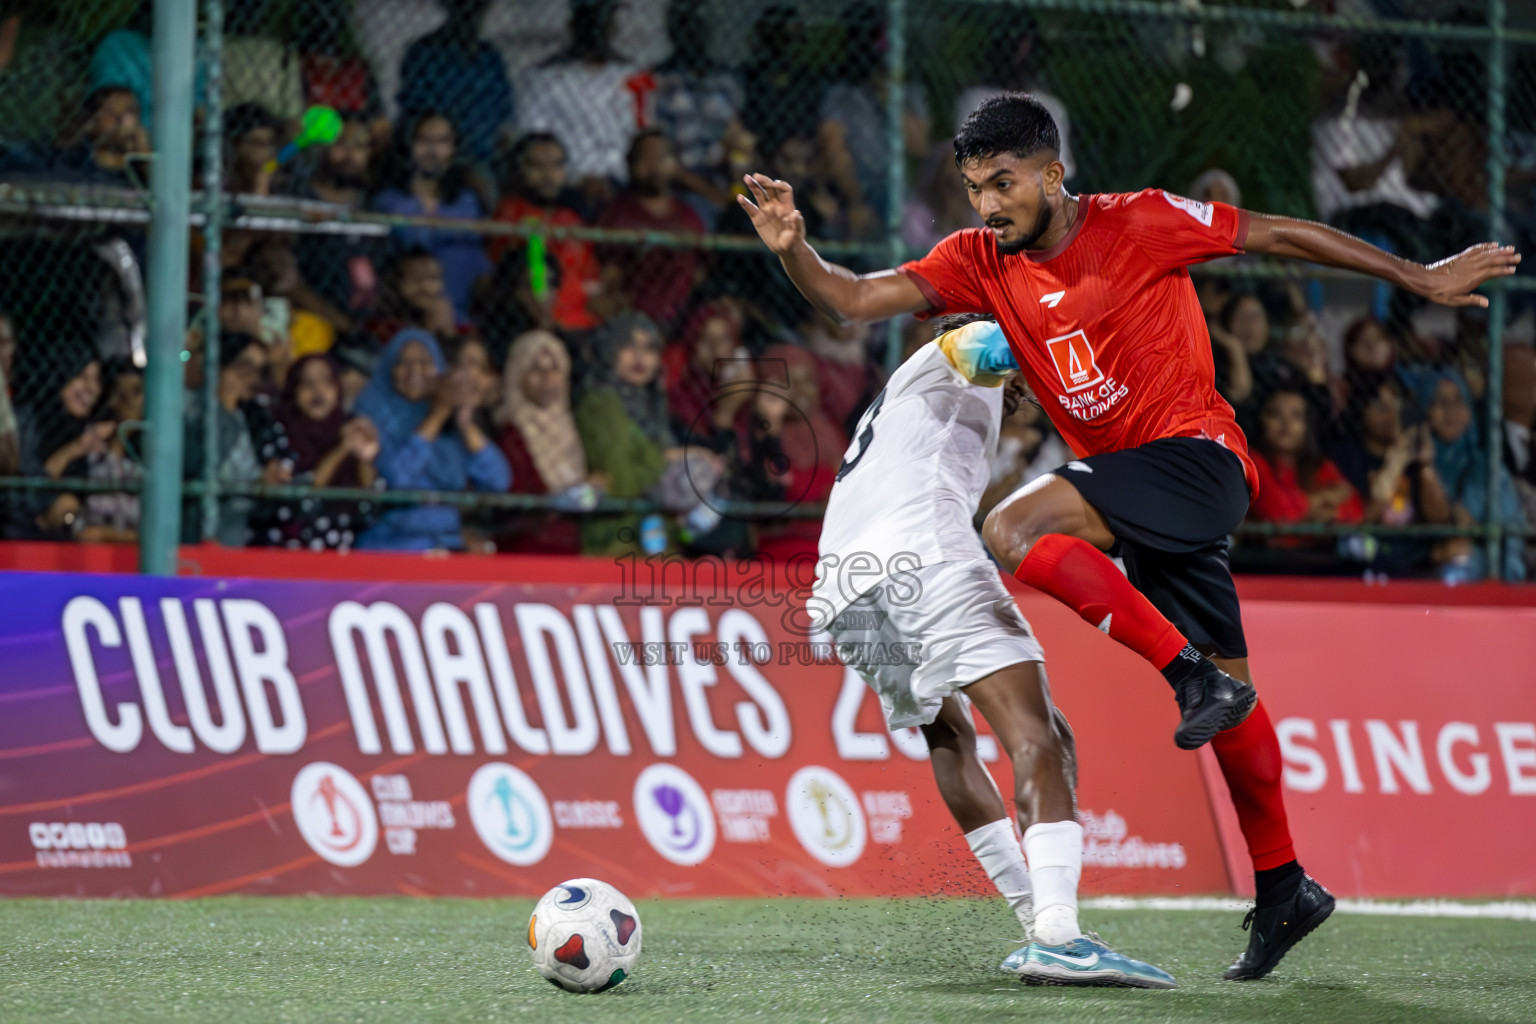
1083	961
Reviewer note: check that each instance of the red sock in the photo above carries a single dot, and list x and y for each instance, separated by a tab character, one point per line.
1249	755
1084	579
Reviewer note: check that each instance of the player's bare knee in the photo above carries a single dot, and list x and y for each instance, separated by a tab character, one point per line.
1009	535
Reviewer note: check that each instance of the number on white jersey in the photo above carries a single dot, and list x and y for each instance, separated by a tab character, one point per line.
863	434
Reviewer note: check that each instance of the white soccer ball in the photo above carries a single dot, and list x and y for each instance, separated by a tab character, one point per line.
585	935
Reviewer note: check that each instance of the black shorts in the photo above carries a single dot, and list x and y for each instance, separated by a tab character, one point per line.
1171	504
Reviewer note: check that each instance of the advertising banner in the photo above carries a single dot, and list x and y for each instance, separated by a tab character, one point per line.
1409	742
185	737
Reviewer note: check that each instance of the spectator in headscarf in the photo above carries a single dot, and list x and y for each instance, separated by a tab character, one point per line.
1461	460
543	446
125	58
327	449
624	428
428	440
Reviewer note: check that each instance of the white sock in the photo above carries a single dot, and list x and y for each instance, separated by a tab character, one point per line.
996	846
1055	850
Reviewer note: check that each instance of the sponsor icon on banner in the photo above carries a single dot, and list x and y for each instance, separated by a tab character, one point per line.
674	814
334	814
510	814
825	815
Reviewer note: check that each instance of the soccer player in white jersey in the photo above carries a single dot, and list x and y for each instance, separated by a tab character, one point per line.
913	604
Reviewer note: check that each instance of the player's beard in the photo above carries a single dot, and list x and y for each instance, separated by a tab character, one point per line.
1042	225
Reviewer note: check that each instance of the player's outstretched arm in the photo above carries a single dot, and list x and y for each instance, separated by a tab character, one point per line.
836	291
1449	282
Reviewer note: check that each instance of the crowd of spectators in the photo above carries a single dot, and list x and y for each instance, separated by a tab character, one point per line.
448	358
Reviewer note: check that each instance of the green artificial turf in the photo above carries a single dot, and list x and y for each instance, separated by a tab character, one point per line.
232	960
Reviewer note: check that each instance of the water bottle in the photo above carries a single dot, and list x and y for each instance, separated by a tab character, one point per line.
653	534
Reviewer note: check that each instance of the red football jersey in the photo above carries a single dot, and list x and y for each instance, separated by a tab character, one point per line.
1105	324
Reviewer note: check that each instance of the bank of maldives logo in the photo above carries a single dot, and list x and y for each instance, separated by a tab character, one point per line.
334	814
1075	362
674	814
510	814
825	816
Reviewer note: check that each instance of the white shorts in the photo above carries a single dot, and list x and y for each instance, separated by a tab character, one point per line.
915	646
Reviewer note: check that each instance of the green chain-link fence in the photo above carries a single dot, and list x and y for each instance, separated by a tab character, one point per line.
526	184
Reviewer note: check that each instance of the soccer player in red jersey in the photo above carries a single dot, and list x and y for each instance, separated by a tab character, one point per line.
1093	293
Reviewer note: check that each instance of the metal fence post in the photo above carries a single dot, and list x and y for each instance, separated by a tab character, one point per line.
895	114
175	27
213	256
1497	301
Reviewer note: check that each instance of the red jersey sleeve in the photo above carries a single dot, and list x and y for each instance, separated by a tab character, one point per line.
947	276
1175	232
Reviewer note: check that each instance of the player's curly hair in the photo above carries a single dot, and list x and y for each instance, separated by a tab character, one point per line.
1014	122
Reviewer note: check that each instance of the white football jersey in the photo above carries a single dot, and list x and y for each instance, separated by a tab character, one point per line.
910	483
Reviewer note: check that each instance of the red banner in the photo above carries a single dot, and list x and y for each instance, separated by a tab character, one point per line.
198	736
1409	740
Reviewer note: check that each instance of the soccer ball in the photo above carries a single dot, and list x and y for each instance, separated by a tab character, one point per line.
585	935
